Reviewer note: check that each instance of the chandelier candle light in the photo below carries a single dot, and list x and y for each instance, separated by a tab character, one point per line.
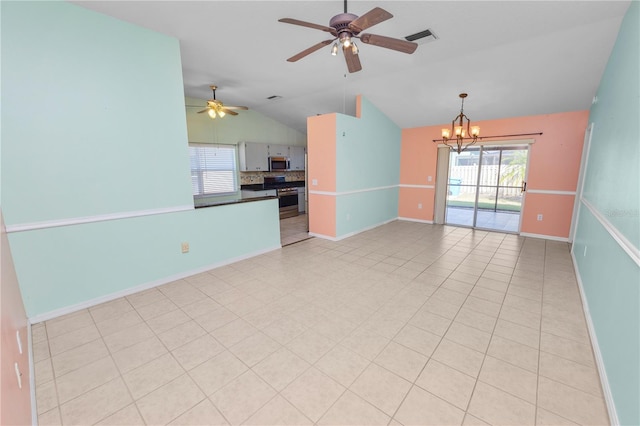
459	132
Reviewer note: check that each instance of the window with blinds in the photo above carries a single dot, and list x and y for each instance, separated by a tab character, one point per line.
213	169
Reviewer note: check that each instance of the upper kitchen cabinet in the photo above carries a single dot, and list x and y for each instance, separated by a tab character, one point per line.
296	154
278	150
253	157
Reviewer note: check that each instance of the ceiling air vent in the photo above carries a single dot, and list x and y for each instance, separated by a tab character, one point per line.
422	37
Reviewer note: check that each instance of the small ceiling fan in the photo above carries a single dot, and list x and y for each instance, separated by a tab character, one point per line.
216	108
345	28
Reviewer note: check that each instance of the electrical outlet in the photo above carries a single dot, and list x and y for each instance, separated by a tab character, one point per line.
314	182
419	205
585	251
539	218
348	216
185	247
429	178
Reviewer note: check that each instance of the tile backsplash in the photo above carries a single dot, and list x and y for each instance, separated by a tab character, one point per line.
252	178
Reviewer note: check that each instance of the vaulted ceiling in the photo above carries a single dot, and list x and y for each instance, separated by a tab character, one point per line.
514	58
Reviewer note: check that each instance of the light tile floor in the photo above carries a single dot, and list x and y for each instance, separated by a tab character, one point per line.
294	229
407	323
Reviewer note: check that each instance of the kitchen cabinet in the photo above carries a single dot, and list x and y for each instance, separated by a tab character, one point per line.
253	157
302	205
253	194
296	154
278	150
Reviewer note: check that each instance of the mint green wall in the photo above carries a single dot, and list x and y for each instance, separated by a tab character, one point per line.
611	282
63	266
612	184
367	157
247	126
85	110
610	277
94	123
362	210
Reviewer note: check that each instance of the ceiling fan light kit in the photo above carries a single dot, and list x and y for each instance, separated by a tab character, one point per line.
216	108
345	28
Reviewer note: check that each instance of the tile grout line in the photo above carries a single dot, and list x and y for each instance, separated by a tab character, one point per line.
544	270
491	338
440	341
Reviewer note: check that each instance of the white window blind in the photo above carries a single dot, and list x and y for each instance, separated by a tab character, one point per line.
213	169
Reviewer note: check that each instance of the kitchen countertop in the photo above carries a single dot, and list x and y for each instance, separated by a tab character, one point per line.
236	201
260	187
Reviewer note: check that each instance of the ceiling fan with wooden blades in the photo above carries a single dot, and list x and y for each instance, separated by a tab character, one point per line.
345	28
216	108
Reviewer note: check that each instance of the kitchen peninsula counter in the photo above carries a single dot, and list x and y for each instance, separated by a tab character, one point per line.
235	201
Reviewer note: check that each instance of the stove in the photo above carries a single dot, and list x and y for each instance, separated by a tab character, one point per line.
287	195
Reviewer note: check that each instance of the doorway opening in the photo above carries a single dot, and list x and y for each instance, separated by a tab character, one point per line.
486	187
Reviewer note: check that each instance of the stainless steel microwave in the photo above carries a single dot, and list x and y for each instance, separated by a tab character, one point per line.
279	164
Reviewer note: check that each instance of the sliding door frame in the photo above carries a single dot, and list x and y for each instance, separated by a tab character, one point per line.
442	178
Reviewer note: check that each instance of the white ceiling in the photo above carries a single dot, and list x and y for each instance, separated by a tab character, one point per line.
514	58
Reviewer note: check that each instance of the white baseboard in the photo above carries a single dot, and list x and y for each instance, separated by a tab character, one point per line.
410	219
606	389
545	237
324	237
131	290
32	378
351	234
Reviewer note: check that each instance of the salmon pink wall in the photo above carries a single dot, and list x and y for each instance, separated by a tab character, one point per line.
410	201
321	165
15	403
556	211
554	165
417	163
417	157
555	157
321	151
322	215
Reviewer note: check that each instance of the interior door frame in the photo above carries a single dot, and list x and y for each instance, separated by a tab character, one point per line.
442	177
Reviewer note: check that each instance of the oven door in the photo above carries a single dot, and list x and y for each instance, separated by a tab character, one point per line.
288	203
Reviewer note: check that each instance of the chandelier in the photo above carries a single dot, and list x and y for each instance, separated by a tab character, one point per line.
458	133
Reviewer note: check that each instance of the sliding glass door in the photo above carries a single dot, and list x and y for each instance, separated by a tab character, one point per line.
485	187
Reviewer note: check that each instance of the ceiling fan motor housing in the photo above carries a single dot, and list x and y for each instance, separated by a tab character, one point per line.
341	22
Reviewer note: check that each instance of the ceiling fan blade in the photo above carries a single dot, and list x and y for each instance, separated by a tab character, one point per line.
308	25
204	110
389	43
353	60
369	19
228	111
309	50
244	108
